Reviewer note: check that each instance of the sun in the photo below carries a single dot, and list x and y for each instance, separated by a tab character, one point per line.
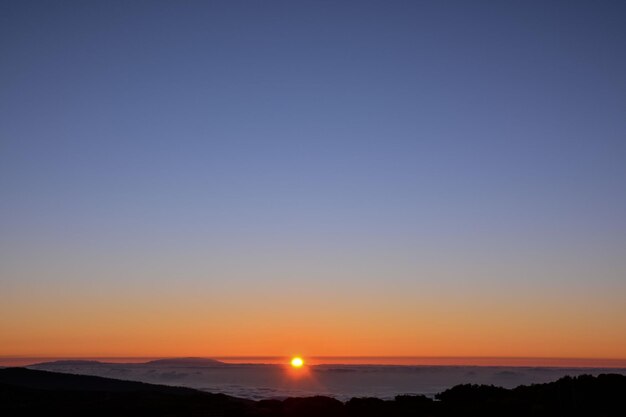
297	362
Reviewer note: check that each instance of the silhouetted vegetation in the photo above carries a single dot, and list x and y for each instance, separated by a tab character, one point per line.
25	392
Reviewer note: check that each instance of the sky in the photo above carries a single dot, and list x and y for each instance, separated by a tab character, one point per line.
364	178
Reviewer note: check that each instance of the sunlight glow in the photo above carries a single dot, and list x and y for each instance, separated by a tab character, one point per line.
297	362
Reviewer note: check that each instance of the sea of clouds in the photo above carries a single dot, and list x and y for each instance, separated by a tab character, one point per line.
261	381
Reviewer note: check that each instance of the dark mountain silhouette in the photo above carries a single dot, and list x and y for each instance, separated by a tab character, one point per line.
186	362
54	381
71	363
182	362
26	392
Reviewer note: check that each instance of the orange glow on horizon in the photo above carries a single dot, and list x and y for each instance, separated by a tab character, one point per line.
168	324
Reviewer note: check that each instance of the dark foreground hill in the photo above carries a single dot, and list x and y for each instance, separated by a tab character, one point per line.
25	392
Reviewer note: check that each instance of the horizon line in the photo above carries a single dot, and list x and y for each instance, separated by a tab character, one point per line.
11	356
493	361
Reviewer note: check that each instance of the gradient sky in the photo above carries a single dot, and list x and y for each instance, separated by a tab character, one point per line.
327	178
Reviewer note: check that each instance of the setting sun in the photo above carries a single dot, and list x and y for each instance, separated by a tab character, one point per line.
297	362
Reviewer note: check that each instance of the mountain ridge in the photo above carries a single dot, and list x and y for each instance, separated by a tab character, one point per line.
182	361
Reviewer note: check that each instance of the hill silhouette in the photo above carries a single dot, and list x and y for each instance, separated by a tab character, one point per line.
73	362
26	392
182	362
186	362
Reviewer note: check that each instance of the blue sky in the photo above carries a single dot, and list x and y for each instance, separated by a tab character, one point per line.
142	137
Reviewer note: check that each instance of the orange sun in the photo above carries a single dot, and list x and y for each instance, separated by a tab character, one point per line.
297	362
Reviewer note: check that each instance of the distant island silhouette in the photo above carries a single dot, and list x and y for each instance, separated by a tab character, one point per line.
27	392
190	361
71	362
186	362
